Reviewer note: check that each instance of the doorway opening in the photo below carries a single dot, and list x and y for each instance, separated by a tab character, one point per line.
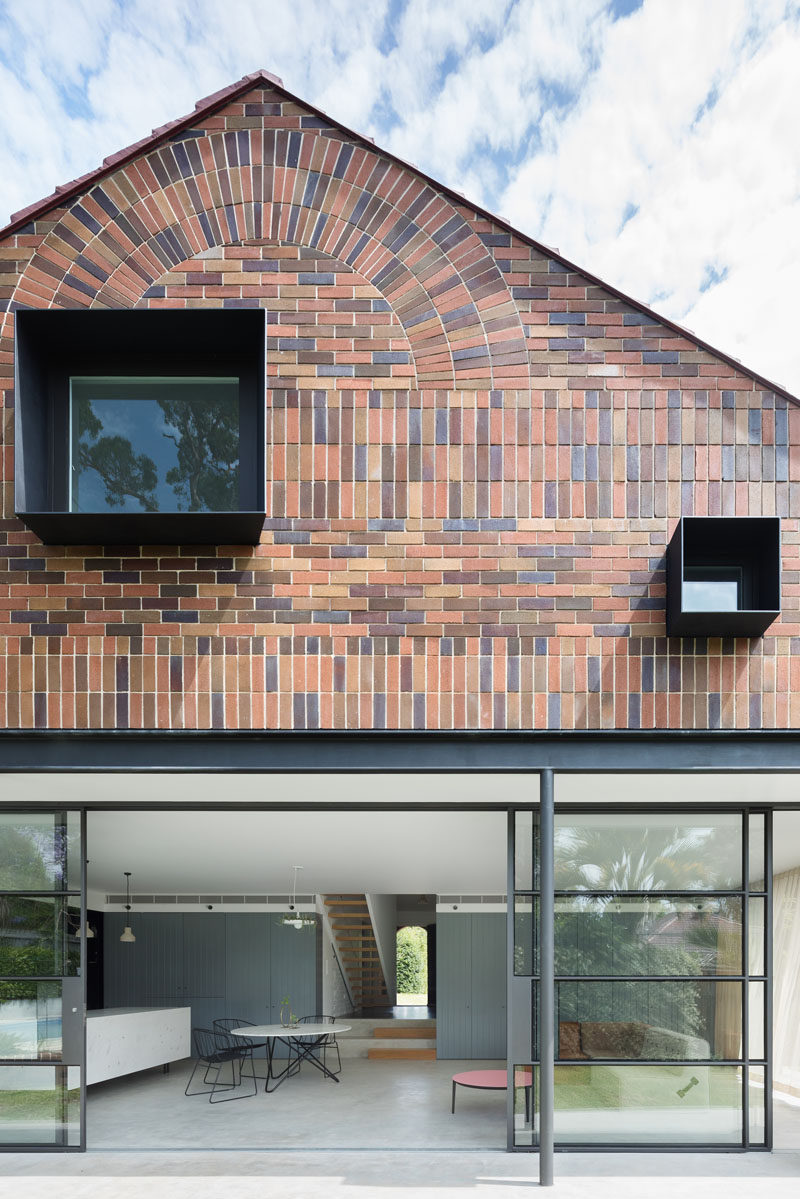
211	900
412	966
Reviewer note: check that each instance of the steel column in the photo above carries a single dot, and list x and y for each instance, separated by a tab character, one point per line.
546	979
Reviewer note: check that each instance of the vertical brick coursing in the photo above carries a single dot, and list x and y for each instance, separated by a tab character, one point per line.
475	459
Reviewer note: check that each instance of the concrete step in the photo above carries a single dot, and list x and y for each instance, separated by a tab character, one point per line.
427	1032
402	1053
369	1047
361	1038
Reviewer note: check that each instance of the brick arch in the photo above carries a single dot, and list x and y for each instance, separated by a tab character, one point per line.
327	326
393	228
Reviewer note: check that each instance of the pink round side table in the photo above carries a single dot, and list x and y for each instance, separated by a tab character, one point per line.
490	1080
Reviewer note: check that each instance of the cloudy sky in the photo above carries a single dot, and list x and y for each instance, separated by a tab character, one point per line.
655	142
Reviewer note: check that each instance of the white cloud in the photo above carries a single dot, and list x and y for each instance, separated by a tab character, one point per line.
712	187
658	150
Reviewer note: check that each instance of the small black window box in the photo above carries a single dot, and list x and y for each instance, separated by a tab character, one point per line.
141	426
723	576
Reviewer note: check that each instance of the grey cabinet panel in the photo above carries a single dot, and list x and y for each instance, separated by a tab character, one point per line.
471	985
293	968
453	986
161	936
123	964
247	951
204	954
218	964
205	1009
488	987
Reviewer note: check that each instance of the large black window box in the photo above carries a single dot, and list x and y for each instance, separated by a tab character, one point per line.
141	426
723	576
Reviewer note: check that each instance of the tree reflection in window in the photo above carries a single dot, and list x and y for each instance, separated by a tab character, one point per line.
155	445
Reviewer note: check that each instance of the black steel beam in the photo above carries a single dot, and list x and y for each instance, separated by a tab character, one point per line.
608	751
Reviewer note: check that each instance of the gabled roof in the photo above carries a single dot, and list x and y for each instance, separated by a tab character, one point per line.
218	100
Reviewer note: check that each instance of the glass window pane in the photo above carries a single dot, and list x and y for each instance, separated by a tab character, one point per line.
526	957
39	1105
649	935
526	1105
39	935
652	852
39	851
756	1094
30	1020
755	1020
648	1105
651	1021
710	589
526	851
756	911
155	445
756	851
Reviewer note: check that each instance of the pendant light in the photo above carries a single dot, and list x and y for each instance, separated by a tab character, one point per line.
127	935
296	919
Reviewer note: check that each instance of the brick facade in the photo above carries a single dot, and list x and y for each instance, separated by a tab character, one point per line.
476	456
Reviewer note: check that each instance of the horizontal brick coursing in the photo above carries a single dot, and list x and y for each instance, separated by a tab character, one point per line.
476	457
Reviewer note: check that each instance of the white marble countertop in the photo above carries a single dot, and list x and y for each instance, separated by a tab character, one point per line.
123	1040
129	1011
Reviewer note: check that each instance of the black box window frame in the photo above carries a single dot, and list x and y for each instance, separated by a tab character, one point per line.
711	548
53	346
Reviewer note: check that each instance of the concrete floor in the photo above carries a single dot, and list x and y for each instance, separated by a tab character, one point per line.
377	1105
405	1144
332	1174
786	1122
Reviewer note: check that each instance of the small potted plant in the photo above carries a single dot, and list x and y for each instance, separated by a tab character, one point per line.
288	1018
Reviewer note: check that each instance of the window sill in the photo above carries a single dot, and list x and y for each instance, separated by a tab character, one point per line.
744	622
145	528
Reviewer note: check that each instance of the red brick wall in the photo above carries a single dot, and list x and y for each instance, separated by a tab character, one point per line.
475	461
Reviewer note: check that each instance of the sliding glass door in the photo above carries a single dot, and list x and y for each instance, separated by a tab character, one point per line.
641	956
42	979
661	993
524	980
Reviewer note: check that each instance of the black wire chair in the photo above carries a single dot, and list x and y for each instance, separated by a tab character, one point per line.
226	1023
315	1049
215	1050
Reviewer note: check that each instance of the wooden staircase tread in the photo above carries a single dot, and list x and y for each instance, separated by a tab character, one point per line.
357	949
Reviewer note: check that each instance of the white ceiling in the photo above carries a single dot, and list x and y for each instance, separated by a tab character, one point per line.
697	787
377	790
253	852
374	850
374	790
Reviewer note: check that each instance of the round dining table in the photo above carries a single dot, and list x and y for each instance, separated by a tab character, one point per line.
270	1033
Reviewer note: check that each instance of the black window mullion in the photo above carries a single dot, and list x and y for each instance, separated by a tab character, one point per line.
768	997
746	987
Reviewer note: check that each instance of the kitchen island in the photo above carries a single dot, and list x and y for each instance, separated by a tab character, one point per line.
123	1040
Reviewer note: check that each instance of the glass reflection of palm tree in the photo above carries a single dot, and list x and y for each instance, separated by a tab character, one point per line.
643	858
612	934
